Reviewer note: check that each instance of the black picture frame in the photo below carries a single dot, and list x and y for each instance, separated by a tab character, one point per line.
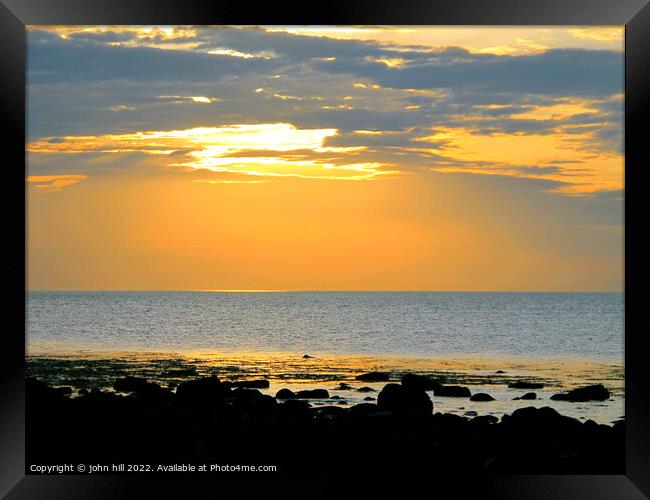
634	14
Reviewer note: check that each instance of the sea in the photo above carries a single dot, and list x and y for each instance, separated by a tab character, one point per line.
320	339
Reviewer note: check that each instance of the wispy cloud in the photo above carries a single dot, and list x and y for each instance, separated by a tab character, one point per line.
354	103
49	183
272	150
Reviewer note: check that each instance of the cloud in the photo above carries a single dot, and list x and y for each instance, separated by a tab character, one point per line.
568	72
113	87
270	150
48	183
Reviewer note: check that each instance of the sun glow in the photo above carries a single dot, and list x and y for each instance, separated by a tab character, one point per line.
273	150
531	155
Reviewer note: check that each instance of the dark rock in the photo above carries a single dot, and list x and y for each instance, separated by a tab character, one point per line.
329	411
252	384
484	420
529	395
400	399
264	405
546	419
336	397
202	392
343	387
342	402
307	356
369	398
313	394
65	391
294	408
448	420
82	392
481	396
373	377
595	426
419	382
248	394
251	401
582	394
525	385
285	394
38	391
98	397
130	384
471	413
366	389
452	391
363	410
153	393
144	391
499	371
180	372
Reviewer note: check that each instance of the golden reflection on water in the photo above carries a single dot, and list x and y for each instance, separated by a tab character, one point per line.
294	368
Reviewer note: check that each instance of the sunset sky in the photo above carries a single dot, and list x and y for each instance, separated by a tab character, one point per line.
325	158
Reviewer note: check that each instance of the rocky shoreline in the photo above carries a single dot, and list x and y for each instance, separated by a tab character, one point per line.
207	420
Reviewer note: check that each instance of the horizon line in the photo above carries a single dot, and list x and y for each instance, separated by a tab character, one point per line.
310	290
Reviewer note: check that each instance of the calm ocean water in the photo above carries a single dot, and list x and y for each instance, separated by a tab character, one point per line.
531	325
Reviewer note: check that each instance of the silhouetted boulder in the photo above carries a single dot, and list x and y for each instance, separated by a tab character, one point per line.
590	393
481	396
400	399
152	394
366	389
546	419
130	384
329	411
313	394
294	408
364	410
39	392
202	392
452	391
97	397
143	390
419	382
285	394
250	401
447	421
307	356
529	396
252	384
247	394
595	426
373	377
343	387
369	398
525	385
484	420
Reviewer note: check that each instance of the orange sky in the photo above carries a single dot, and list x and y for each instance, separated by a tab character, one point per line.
325	159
